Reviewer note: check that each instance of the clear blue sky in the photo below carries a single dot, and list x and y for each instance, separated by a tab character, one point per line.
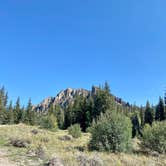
47	46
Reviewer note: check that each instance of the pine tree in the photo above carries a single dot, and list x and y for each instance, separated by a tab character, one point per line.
17	112
135	125
142	116
79	111
103	101
51	109
11	114
89	108
6	99
68	116
3	103
59	113
148	114
107	87
1	110
160	112
29	114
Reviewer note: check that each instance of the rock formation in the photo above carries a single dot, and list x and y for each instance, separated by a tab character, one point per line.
66	97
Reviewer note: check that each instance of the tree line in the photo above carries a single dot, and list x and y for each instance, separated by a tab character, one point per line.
83	111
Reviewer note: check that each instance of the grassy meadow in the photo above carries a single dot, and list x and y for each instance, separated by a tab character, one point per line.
45	144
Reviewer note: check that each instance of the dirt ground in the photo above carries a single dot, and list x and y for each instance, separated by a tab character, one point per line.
4	161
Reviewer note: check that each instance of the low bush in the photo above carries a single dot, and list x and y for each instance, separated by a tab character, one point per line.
111	132
154	137
55	161
75	130
66	138
20	143
85	160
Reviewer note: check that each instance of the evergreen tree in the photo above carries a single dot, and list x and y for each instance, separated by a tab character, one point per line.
148	114
107	87
88	114
6	99
3	102
29	114
82	111
1	110
17	112
11	115
68	113
79	111
142	116
135	125
103	101
160	112
59	113
51	109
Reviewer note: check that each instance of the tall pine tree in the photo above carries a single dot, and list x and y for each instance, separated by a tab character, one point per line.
59	113
3	103
29	114
142	116
148	114
103	101
17	112
160	110
11	114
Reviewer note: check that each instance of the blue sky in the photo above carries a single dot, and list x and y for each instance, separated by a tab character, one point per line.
47	46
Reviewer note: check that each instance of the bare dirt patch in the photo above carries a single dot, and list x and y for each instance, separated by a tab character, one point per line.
4	161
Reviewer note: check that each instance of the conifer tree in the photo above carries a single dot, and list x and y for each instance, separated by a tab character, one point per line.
3	102
1	110
148	114
79	111
107	87
68	116
51	109
142	116
160	112
103	101
17	112
11	114
135	125
59	113
89	108
29	114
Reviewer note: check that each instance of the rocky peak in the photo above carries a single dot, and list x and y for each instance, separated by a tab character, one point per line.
67	97
64	98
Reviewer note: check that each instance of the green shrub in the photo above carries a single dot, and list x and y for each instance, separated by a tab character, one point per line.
75	130
49	122
154	137
112	132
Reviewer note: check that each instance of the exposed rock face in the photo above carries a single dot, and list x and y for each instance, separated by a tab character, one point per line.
66	97
44	105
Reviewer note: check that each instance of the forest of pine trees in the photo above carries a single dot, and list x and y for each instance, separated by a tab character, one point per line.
84	111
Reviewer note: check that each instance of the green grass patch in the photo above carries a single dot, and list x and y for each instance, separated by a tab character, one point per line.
2	141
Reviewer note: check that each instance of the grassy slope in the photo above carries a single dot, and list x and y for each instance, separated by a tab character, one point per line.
66	150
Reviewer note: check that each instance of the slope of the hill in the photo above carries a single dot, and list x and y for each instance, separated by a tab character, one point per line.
45	145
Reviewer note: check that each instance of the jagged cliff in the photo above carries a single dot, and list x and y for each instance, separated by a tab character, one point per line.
66	97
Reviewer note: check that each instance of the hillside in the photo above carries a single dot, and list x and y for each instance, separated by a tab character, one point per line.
45	145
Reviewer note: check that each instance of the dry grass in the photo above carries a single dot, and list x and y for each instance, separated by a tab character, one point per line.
67	151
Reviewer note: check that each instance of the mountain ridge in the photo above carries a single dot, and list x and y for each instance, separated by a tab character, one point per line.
67	97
